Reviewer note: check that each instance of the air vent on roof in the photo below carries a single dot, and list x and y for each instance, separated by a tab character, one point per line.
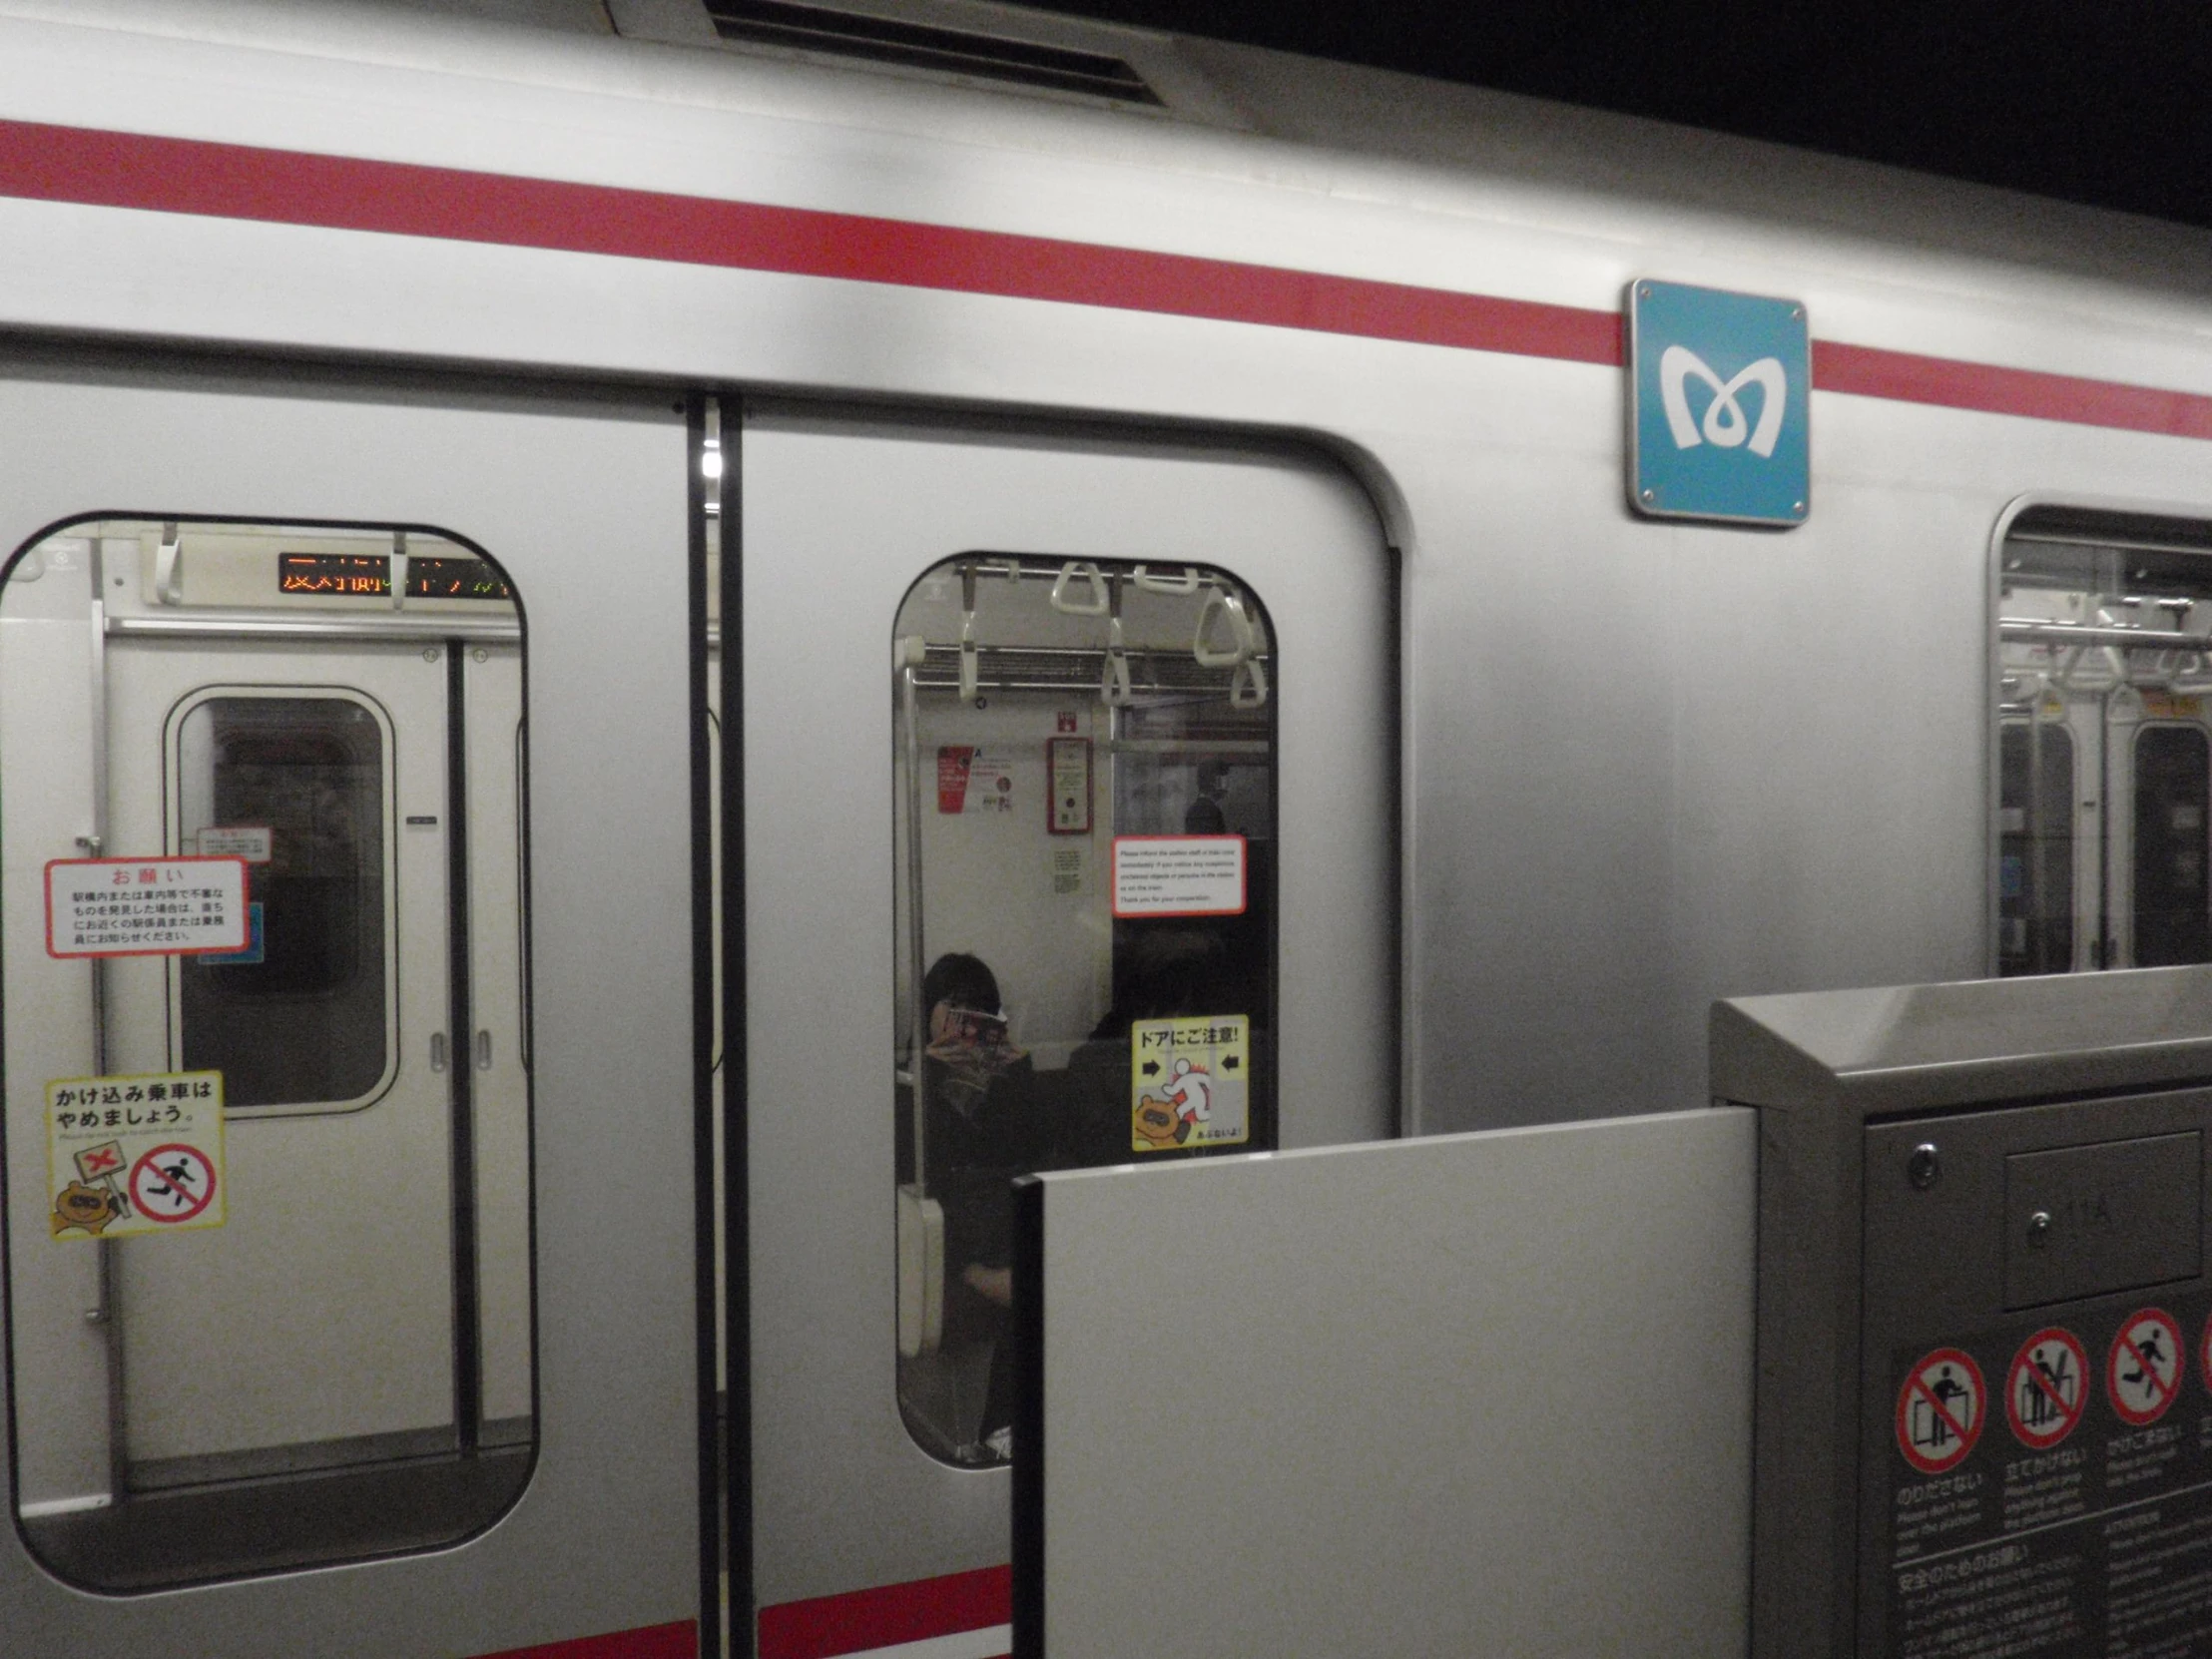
924	46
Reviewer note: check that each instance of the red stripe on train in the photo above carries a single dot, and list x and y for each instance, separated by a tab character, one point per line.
829	1626
660	1641
1869	371
228	181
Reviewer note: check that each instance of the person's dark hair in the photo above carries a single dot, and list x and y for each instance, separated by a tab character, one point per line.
963	981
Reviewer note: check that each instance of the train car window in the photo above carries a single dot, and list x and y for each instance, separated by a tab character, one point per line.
1084	962
300	1018
2104	652
2173	787
266	1115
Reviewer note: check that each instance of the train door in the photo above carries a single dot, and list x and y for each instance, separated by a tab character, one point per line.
1070	782
339	754
347	810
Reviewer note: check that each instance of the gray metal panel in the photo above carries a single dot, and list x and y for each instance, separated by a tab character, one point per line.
2091	1220
1822	1066
583	499
1899	1047
1487	1393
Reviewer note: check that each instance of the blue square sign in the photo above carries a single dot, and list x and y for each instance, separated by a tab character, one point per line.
1719	385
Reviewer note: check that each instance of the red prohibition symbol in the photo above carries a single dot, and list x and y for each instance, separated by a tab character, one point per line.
2046	1389
2143	1372
172	1183
1940	1410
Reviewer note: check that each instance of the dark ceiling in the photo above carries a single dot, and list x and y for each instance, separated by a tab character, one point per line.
2106	101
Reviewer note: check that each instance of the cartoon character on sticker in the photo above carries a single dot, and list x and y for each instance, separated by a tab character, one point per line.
1157	1122
83	1208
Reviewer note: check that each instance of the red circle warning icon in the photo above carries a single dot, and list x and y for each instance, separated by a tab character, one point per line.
172	1183
2143	1372
2047	1388
1940	1410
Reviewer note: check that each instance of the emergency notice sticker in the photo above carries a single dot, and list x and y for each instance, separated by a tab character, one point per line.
144	906
1190	1082
1179	875
127	1156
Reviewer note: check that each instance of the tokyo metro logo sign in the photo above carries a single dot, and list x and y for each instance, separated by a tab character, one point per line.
1718	406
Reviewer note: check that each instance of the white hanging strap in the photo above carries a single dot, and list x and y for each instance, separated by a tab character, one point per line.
971	662
398	570
169	567
1080	570
1113	679
1242	640
1248	684
1153	582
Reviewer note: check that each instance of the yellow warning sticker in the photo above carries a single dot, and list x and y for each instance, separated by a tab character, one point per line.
1190	1082
127	1156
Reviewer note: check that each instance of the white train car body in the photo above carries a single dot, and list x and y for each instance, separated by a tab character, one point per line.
1549	774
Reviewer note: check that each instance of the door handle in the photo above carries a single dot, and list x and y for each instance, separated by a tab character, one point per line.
483	1051
437	1051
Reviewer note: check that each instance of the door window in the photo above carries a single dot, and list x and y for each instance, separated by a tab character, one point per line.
300	1016
266	1116
1085	837
2105	648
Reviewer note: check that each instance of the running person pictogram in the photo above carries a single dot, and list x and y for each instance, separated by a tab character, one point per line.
1940	1410
172	1183
2143	1372
2046	1391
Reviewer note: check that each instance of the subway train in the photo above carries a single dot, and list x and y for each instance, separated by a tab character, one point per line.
645	646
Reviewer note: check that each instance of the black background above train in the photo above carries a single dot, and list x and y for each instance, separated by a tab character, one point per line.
2097	105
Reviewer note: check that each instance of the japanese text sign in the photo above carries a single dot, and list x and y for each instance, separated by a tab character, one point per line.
134	1155
144	906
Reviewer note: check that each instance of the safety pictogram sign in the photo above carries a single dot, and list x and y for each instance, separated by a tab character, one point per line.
2047	1388
1940	1410
172	1183
1190	1082
128	1156
2143	1372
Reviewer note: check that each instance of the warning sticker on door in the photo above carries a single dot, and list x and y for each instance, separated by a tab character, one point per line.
2087	1530
1179	875
128	1156
144	906
1190	1082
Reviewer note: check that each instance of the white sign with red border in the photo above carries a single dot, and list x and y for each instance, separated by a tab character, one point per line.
132	1156
2143	1372
2047	1388
1940	1410
145	906
1179	875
